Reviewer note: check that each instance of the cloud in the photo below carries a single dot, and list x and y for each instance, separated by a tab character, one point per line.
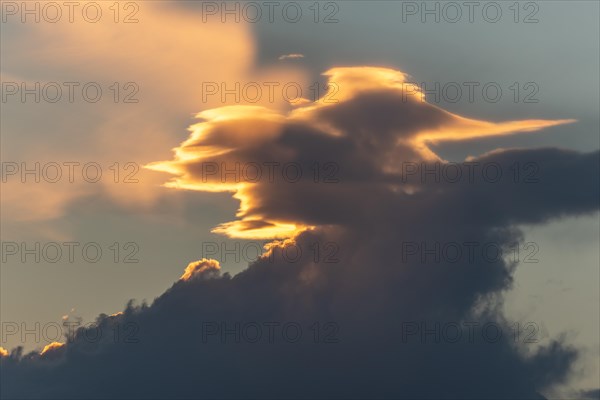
376	320
593	394
175	54
292	56
377	124
51	349
201	268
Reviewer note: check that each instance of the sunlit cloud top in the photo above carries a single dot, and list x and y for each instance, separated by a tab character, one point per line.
370	121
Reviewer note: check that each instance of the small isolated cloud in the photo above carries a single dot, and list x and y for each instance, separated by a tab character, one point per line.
292	56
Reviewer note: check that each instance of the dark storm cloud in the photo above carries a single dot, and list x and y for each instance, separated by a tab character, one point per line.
377	301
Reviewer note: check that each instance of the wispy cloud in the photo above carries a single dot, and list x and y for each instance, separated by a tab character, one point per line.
292	56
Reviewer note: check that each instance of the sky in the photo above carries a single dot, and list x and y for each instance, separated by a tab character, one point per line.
254	199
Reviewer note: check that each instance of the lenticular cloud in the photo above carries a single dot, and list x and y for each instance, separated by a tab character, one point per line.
363	134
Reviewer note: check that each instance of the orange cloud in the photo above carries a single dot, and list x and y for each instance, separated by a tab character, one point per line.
51	347
200	268
377	121
169	54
